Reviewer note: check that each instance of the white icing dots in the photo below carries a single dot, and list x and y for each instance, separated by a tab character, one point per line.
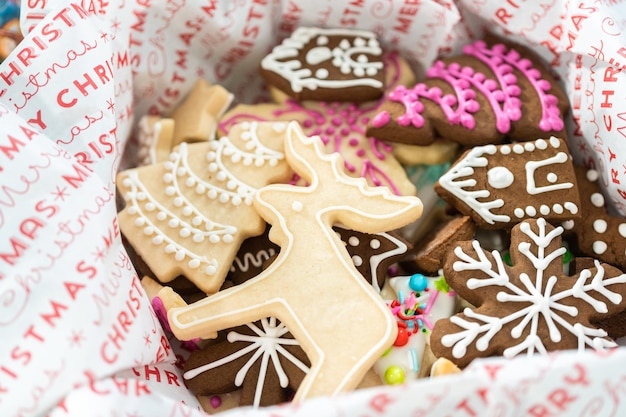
544	209
297	206
529	146
557	208
599	247
500	177
597	199
353	241
505	149
357	260
599	226
321	73
519	213
531	211
517	148
555	142
592	175
568	224
571	207
622	229
541	144
552	177
375	244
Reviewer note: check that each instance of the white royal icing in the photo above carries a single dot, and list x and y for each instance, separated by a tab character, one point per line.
458	181
546	307
350	57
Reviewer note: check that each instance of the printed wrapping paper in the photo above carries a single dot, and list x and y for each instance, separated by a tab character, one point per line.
79	336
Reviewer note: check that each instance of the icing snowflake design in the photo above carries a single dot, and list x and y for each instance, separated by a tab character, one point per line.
531	304
266	345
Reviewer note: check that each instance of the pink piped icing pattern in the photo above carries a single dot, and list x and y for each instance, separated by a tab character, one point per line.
502	93
343	125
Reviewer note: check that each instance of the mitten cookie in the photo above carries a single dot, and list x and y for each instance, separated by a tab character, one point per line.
498	186
327	65
491	92
531	307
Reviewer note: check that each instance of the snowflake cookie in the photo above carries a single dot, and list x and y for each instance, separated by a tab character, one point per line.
530	307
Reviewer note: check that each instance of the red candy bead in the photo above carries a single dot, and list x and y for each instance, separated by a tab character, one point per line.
402	338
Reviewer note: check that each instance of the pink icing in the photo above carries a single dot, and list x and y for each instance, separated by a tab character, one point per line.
342	125
161	313
501	93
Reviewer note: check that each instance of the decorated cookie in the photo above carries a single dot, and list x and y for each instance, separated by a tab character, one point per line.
341	127
313	282
155	136
420	302
188	215
529	308
193	120
327	65
498	186
491	92
372	254
261	358
598	234
428	257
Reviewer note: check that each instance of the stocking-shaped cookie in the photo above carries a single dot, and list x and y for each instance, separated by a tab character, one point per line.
531	307
313	285
188	216
491	92
341	125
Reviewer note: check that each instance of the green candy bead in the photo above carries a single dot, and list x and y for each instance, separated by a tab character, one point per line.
394	375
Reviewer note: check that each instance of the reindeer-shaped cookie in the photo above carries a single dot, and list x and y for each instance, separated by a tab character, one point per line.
313	287
189	215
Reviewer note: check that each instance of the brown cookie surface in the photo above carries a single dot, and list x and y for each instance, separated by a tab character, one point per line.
491	92
530	307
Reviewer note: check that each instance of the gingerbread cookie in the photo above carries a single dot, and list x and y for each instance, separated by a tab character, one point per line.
261	358
428	257
491	92
327	65
498	186
598	234
420	302
371	254
155	136
188	216
531	307
193	120
306	285
341	127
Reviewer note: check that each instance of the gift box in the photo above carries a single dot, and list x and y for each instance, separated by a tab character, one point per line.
79	335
